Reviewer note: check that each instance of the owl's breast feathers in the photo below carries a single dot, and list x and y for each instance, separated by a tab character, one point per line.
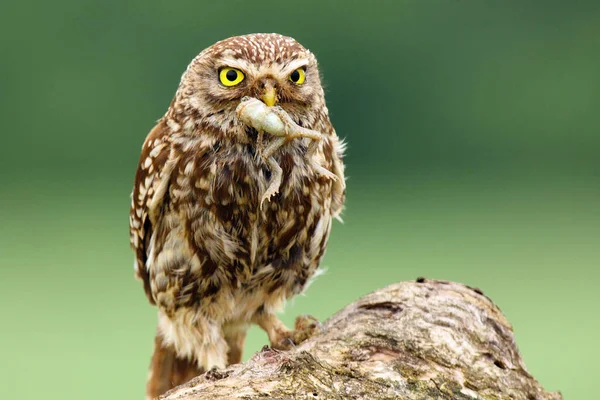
197	228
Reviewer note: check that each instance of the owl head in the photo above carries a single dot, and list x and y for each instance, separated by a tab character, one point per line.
274	68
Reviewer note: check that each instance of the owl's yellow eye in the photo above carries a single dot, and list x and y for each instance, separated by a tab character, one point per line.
230	76
298	76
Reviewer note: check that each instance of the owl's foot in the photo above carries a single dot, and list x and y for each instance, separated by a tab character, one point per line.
282	338
306	326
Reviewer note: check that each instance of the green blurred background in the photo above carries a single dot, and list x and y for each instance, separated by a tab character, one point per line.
473	131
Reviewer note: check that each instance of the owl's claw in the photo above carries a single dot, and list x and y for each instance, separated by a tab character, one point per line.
282	338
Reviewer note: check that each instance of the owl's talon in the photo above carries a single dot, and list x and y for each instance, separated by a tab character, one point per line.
290	342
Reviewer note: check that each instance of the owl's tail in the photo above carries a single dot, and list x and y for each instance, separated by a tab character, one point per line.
167	370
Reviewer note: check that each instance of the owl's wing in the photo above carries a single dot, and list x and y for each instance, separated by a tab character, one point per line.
151	183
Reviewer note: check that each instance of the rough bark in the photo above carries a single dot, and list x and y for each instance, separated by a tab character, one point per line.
422	339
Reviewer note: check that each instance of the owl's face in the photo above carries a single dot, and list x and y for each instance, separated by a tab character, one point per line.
274	68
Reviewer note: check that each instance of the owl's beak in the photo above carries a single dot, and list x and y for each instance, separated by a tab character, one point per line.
269	95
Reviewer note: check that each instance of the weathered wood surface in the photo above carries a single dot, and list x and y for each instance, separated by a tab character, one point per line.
421	339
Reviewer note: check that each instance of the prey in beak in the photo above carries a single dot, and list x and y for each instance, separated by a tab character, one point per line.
263	117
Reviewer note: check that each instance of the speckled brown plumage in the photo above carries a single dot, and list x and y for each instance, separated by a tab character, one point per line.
210	257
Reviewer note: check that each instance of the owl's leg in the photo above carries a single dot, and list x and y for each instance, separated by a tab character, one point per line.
167	369
277	332
280	336
235	336
187	344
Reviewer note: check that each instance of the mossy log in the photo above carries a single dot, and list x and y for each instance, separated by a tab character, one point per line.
422	339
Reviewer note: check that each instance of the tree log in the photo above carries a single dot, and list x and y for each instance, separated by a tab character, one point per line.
422	339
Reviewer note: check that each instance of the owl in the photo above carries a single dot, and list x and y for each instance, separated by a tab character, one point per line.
211	258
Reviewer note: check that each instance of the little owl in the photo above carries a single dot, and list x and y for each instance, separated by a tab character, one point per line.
211	257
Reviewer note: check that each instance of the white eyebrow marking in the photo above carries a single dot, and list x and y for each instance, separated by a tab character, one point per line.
240	64
294	65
